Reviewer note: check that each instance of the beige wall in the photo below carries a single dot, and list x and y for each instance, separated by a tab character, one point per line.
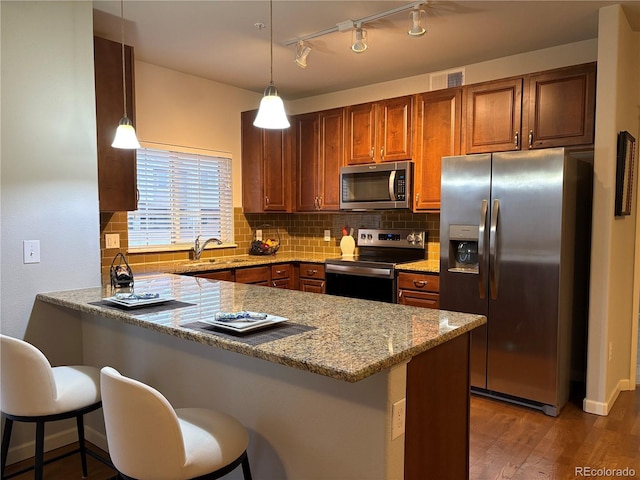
48	179
614	300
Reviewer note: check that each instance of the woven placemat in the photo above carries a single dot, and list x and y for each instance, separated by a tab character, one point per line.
255	337
169	305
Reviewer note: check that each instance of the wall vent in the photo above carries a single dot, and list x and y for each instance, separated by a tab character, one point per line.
446	79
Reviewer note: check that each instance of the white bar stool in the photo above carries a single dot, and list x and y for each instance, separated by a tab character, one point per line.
33	391
148	439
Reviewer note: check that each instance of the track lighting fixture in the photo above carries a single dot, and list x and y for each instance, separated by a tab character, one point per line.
125	133
302	51
359	39
271	112
417	30
359	34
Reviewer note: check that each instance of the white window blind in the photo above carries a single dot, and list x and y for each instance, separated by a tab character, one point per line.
181	195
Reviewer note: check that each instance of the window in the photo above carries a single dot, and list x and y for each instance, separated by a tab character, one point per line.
181	195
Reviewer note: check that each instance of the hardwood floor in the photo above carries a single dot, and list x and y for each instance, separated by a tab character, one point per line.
507	442
512	442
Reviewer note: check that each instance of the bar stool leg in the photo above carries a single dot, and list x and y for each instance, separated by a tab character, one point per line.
246	470
39	460
6	436
83	454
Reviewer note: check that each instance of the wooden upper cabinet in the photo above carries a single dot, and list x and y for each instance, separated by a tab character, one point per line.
117	182
554	108
266	168
361	134
438	121
560	107
493	116
379	131
319	156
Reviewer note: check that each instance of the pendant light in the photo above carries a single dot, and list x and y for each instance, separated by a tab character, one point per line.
271	113
125	134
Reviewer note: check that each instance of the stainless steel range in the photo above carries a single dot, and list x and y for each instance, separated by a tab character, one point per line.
371	273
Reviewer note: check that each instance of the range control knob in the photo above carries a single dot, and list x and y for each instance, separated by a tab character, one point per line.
411	238
369	236
418	238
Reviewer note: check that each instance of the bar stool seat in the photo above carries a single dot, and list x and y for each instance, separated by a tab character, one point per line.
149	439
34	391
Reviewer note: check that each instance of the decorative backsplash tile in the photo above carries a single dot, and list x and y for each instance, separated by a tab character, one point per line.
299	232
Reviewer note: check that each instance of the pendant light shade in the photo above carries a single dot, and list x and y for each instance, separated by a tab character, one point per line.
125	134
271	112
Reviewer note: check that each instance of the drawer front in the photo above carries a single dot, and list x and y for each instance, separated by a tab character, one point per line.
226	275
312	270
313	286
280	271
282	283
419	282
257	275
418	299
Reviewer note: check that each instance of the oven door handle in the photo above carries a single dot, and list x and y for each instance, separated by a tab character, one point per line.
362	271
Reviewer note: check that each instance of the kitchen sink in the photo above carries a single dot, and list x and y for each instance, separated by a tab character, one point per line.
218	261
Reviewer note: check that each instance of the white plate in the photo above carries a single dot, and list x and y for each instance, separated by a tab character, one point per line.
137	302
247	325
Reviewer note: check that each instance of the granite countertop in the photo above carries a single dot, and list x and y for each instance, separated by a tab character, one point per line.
241	261
347	339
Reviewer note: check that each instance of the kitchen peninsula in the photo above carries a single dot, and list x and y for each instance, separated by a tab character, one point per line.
323	394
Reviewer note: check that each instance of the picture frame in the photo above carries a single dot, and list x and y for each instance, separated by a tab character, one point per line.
624	173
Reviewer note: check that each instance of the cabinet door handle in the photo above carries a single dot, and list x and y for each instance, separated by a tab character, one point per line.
516	139
312	272
420	283
371	154
266	199
530	138
382	153
417	197
280	272
319	203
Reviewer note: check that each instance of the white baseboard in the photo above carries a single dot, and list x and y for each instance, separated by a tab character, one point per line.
51	442
603	408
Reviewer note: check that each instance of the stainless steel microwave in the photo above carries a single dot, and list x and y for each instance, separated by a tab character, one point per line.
380	186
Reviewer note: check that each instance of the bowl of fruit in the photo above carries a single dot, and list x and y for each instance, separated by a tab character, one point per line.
268	245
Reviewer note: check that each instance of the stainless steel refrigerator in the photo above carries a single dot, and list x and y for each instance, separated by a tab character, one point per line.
515	246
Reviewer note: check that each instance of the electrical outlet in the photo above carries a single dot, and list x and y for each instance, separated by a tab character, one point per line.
31	251
259	235
327	235
112	240
398	418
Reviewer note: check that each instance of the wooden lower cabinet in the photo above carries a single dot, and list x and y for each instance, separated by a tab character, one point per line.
254	275
312	277
282	276
224	275
419	290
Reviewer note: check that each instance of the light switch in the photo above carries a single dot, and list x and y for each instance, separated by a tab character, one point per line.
259	235
31	251
327	235
112	240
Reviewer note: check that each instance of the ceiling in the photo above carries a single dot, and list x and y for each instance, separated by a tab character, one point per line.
219	40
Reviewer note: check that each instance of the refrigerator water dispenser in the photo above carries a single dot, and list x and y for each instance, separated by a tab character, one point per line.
463	248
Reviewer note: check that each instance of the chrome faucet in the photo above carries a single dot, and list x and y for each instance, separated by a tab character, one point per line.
197	248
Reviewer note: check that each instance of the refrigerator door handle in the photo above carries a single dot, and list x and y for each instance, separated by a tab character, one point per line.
481	248
494	272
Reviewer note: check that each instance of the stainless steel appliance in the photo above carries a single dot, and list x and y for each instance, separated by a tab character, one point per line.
371	273
514	246
380	186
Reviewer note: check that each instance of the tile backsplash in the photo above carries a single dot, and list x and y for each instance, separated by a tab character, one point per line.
298	232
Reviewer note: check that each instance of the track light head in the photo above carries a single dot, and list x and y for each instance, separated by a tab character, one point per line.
302	52
360	36
417	30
